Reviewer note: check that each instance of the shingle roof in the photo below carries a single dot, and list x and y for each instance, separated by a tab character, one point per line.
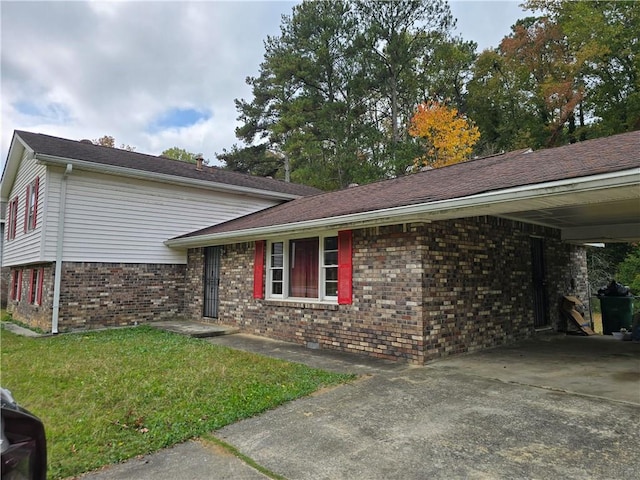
498	172
78	150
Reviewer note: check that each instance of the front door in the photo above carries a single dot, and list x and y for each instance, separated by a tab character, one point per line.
211	281
540	303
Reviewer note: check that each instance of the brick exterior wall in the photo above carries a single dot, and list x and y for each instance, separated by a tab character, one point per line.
5	276
36	316
97	295
478	287
420	291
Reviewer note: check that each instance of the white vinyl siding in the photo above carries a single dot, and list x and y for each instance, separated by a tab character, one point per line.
115	219
26	247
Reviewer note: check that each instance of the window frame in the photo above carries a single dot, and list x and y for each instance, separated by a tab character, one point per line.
285	282
16	285
31	205
12	218
35	286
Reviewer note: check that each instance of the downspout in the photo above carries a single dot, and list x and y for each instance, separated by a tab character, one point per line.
58	273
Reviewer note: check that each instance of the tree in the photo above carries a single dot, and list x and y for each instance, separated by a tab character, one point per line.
395	42
105	141
109	141
304	98
254	160
547	74
496	105
604	263
525	93
568	74
603	39
338	85
449	138
180	154
628	271
447	70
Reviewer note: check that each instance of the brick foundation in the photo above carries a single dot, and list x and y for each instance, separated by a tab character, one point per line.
5	276
420	291
36	316
106	294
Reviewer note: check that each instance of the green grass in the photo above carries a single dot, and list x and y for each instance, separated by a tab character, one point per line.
7	317
108	396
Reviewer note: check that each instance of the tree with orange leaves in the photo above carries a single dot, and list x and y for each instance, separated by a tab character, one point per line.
449	137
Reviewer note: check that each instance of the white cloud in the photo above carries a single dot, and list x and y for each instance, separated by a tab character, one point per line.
88	69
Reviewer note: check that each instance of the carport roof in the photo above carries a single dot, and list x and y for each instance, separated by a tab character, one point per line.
578	186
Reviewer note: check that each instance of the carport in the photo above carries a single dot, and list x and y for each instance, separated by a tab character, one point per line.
597	366
608	211
602	209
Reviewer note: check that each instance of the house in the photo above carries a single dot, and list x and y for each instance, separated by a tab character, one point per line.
85	226
441	262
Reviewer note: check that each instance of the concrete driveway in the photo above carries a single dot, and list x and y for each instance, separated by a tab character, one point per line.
553	407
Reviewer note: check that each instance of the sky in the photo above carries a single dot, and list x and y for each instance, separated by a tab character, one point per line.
155	75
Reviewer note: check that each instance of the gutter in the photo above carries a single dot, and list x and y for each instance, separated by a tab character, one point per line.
59	248
161	177
473	205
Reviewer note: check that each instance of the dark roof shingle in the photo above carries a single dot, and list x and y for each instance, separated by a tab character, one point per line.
79	150
498	172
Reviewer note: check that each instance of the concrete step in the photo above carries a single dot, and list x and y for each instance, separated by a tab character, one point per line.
195	329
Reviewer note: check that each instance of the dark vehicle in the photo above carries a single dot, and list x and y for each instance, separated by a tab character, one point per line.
23	445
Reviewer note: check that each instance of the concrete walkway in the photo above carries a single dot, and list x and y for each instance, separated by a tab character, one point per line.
553	407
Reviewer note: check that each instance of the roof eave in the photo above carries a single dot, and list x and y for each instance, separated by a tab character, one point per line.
162	177
16	151
488	203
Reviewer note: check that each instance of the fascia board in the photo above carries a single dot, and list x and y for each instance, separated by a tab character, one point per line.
473	205
622	233
161	177
12	165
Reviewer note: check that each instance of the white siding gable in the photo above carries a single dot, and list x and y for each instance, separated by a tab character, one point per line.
26	247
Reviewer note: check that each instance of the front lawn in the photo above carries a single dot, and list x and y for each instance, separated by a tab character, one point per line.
111	395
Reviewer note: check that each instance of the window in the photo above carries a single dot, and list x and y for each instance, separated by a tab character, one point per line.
303	268
31	205
330	266
35	286
276	267
12	217
16	285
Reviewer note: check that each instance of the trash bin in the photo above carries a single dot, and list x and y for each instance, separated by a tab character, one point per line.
617	313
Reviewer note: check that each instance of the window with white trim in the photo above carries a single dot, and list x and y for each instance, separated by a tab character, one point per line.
16	285
31	205
303	268
330	266
12	219
35	286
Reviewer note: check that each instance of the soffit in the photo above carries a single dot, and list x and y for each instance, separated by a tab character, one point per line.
602	216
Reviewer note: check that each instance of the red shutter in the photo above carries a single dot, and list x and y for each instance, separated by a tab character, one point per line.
345	251
36	187
32	292
40	282
14	217
26	208
8	224
14	280
258	269
19	292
